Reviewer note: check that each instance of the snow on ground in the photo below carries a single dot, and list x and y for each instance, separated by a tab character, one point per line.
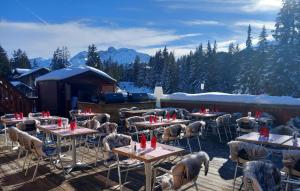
131	88
235	98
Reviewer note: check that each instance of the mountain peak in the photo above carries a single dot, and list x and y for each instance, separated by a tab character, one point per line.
111	49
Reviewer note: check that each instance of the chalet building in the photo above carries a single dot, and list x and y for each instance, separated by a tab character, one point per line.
59	91
29	77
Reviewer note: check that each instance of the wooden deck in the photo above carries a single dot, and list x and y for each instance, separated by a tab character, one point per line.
220	175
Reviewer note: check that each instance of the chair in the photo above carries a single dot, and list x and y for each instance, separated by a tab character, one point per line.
130	126
184	172
242	152
184	114
123	116
102	118
194	130
73	113
96	141
222	122
284	130
173	133
29	126
112	141
291	162
24	140
234	117
13	135
37	114
41	151
246	125
263	176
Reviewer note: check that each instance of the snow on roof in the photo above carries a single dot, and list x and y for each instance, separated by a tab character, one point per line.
65	73
22	70
17	83
234	98
32	71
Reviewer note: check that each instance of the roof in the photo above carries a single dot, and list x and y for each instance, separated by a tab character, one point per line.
65	73
18	83
32	71
22	70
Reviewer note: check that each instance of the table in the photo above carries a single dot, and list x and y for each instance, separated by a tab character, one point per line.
62	133
150	155
165	122
86	115
139	112
274	139
291	145
10	121
209	115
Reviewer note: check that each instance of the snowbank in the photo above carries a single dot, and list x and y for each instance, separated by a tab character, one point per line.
233	98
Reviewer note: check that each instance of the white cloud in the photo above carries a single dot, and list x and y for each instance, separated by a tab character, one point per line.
38	39
262	6
256	24
201	22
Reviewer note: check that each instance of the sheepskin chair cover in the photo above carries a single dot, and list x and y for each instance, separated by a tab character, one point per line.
130	120
112	141
263	174
194	128
91	124
185	171
108	128
290	159
254	151
284	130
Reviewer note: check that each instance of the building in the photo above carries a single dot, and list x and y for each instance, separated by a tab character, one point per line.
29	77
59	91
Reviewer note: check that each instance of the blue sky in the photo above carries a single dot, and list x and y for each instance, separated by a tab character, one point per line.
40	26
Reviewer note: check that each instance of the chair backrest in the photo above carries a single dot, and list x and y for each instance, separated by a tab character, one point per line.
38	114
13	133
121	112
91	124
246	123
188	169
8	116
130	120
264	175
114	140
290	159
147	117
102	118
73	112
284	130
173	132
25	139
108	128
134	108
253	151
28	125
193	129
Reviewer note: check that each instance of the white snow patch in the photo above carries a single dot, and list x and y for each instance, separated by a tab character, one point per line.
233	98
71	71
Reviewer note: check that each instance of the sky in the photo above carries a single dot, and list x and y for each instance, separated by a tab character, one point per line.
40	26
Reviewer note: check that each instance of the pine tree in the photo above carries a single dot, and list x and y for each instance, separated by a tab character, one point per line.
60	58
20	60
93	58
249	38
5	68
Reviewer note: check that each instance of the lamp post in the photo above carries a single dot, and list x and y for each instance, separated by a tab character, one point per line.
202	87
158	93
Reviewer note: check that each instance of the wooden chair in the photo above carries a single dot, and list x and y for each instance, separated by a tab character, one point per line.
182	173
242	152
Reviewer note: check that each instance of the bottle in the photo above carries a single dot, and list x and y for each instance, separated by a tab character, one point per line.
153	142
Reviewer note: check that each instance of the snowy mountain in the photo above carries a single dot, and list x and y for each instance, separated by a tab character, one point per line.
122	56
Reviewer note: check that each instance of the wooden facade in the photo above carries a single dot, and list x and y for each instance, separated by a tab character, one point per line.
56	95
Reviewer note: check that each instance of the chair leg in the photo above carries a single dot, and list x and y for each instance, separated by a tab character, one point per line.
188	142
126	175
199	142
107	177
225	130
195	183
234	179
287	184
119	172
26	156
29	164
230	134
97	150
219	135
36	167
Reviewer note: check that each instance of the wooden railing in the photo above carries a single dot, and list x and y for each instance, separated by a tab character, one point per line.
12	100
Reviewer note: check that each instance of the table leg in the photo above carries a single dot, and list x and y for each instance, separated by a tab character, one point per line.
5	134
148	173
74	150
